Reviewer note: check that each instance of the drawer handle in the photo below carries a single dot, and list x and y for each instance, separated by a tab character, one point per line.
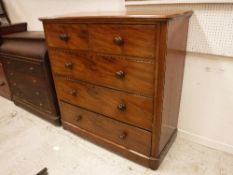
121	107
2	83
41	104
37	93
123	135
64	37
73	92
31	68
14	84
69	65
120	74
118	40
79	117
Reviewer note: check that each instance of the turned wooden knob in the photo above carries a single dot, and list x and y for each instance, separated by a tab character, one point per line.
79	117
69	65
2	83
73	92
64	37
31	68
118	40
121	107
123	135
120	74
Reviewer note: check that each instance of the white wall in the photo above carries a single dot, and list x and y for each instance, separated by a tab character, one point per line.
31	10
206	113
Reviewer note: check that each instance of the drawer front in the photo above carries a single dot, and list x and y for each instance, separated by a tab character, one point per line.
22	78
31	89
132	109
26	67
115	72
68	36
131	40
4	88
128	136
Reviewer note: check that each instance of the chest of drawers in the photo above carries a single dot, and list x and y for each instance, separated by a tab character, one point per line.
26	64
118	78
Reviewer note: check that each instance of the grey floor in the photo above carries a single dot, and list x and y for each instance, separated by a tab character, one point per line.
27	144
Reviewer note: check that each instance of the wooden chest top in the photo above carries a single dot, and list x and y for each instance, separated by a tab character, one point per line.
123	16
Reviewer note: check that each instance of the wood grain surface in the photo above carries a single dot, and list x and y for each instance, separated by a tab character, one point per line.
124	73
105	101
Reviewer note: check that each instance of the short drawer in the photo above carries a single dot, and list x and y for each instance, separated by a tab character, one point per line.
131	40
68	36
128	136
133	75
26	67
129	108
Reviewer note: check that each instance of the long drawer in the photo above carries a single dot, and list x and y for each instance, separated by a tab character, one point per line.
116	72
128	136
26	67
31	89
129	108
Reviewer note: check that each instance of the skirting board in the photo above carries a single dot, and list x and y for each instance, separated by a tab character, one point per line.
205	141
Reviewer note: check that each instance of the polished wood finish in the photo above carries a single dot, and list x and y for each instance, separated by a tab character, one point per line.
126	73
131	40
123	73
4	87
72	37
121	17
128	136
27	68
137	110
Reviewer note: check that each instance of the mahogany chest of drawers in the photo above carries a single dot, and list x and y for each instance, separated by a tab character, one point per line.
26	64
118	78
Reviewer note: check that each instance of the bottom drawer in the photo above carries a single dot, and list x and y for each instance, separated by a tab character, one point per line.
131	137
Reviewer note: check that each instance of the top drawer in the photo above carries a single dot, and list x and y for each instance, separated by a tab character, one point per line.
27	67
129	40
68	36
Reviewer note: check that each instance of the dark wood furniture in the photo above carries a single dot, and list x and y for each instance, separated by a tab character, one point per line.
7	28
4	87
26	63
118	78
